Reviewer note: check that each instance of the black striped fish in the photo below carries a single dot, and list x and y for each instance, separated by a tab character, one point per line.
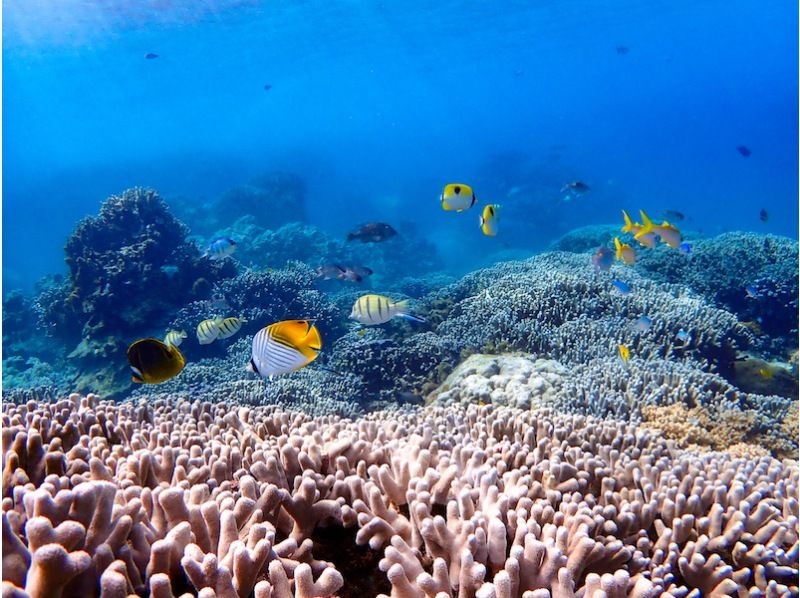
284	347
208	331
377	309
228	327
174	338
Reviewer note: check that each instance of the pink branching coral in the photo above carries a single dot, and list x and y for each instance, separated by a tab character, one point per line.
198	499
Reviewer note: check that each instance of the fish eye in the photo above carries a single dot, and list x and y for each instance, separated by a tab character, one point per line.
456	189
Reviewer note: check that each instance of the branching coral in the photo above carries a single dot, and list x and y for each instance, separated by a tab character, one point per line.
179	496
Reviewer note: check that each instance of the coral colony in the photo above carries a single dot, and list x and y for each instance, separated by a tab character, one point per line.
499	449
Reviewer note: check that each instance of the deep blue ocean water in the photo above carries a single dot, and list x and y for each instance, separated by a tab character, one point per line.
378	104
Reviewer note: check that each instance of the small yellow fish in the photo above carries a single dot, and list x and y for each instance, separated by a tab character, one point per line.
457	197
489	220
624	353
624	252
647	240
765	373
153	362
665	231
362	332
174	338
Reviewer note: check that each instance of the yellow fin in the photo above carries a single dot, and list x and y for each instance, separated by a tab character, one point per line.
618	247
628	224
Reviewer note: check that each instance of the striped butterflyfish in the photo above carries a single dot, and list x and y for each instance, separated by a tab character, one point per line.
377	309
153	362
457	197
489	220
284	347
228	327
208	331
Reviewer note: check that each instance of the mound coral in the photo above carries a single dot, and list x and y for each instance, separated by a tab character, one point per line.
130	267
175	497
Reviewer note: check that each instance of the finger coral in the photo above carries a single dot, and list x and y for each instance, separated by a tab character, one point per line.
172	497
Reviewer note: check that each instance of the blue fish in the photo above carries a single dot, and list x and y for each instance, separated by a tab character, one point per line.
751	292
683	336
642	324
685	248
220	248
621	286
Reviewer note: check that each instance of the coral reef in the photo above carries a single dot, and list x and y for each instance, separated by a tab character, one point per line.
555	304
586	238
130	267
637	391
409	254
721	267
171	497
271	199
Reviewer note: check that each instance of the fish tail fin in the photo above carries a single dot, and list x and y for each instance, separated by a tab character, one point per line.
628	224
647	226
618	248
411	318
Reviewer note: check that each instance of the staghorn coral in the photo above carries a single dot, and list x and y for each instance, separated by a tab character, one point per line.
172	497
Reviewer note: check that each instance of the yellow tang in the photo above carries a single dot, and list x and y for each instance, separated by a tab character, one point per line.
153	362
624	353
489	220
457	197
284	347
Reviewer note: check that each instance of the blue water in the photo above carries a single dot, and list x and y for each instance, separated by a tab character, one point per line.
378	104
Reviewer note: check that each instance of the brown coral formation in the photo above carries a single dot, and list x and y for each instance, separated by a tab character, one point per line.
191	498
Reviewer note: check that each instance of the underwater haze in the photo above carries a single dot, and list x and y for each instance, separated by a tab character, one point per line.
400	299
378	104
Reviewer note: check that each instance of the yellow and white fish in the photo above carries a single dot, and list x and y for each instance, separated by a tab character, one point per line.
489	220
154	362
457	197
284	347
665	231
371	310
624	353
208	331
624	252
646	240
228	327
174	338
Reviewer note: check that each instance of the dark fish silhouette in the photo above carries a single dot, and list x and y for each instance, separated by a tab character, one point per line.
267	87
150	56
373	232
622	49
576	186
744	150
672	215
763	215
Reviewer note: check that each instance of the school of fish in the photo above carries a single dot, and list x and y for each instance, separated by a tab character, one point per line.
289	345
